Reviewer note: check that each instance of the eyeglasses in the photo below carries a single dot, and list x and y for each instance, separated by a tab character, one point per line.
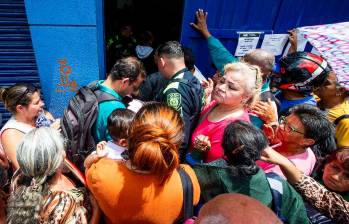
288	127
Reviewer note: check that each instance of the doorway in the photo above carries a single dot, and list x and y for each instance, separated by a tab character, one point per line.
162	18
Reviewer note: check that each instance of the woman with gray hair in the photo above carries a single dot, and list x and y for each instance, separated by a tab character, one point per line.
40	193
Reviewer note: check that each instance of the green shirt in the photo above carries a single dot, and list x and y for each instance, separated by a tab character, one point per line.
217	178
100	128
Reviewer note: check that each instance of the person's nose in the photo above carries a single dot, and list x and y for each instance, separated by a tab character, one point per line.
281	126
336	176
222	87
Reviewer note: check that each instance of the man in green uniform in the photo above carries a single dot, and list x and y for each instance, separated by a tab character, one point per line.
183	91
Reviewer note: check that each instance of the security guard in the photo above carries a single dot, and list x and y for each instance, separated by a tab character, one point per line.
183	91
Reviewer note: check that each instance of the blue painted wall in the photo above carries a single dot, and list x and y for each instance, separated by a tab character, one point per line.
227	17
68	41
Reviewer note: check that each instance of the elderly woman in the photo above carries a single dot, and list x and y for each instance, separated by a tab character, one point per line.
40	193
233	94
334	100
238	173
147	188
332	198
26	106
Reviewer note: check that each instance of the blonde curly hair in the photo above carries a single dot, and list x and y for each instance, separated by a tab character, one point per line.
253	79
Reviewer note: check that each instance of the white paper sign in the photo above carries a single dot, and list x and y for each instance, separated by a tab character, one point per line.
247	41
274	43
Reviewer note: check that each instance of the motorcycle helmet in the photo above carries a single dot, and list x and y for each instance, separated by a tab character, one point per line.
302	72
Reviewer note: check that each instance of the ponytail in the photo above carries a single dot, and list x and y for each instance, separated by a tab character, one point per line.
151	150
26	200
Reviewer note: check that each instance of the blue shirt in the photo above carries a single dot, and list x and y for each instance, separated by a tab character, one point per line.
285	104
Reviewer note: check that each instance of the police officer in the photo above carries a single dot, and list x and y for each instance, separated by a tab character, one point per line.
183	91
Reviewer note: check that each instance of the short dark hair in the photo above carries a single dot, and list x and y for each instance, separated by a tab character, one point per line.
129	67
243	143
170	49
189	58
317	127
119	122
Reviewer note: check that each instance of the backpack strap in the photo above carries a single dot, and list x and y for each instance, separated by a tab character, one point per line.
187	194
104	97
338	119
275	183
101	96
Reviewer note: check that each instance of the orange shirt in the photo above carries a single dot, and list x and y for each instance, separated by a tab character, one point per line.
129	197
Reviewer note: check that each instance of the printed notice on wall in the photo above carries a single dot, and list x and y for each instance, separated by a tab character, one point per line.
274	43
247	41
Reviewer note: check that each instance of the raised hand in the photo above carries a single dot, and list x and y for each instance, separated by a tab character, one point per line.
293	41
208	88
201	25
269	155
265	111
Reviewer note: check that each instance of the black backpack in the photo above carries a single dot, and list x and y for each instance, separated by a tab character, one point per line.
78	120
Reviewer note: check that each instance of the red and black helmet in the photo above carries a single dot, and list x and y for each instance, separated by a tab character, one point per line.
302	71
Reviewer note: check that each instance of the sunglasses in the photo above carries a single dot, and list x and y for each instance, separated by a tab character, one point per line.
29	89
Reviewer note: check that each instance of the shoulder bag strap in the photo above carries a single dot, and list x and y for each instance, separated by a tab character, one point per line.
187	194
203	117
338	119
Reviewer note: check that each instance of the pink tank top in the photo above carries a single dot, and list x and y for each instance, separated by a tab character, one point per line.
215	131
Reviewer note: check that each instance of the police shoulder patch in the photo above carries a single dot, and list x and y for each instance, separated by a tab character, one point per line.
174	100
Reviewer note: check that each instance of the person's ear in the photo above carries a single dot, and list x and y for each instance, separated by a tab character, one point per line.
19	108
125	81
162	61
245	99
307	142
122	142
340	91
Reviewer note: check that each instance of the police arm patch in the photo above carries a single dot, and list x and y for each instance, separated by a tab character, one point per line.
174	100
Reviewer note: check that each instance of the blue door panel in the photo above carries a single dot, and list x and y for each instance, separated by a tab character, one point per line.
297	13
228	17
17	59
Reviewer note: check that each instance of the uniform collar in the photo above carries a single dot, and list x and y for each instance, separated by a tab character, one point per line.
179	72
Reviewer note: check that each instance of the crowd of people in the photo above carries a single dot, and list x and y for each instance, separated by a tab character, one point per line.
251	145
